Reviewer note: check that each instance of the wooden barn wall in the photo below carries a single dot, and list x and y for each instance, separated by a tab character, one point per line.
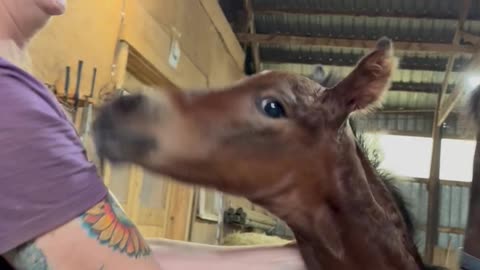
129	42
89	32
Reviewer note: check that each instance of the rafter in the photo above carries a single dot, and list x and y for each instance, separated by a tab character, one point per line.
354	13
283	39
283	55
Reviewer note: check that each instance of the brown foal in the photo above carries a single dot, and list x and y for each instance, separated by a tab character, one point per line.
282	141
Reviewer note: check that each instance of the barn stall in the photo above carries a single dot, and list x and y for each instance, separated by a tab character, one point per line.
422	129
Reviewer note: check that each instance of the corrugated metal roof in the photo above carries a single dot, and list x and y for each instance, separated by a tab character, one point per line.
412	8
354	27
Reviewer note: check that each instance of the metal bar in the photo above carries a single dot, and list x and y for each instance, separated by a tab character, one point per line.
92	87
67	83
77	91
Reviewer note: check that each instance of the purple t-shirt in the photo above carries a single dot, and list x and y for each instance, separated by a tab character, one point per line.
45	177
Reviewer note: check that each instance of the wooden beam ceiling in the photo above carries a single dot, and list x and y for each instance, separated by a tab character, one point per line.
353	13
284	55
282	39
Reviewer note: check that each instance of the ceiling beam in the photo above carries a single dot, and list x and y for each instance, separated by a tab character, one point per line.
252	30
353	13
406	111
282	39
283	55
470	38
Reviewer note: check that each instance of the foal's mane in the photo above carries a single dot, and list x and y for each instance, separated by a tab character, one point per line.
374	157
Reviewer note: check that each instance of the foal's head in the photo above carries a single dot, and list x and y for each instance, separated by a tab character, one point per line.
268	135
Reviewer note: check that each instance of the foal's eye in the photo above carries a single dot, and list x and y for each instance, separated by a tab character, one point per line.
272	108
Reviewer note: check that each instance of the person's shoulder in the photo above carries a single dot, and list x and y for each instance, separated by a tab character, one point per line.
12	75
18	86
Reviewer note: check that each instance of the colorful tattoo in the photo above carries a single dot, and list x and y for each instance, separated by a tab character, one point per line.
109	224
28	256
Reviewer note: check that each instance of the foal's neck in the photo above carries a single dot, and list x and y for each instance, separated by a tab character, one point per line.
360	227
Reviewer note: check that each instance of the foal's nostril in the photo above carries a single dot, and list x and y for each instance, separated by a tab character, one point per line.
128	104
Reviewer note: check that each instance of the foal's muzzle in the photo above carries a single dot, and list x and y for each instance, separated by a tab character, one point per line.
116	131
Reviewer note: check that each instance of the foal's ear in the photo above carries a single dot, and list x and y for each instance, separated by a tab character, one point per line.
369	80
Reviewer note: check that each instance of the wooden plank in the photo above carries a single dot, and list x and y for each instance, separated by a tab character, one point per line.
151	231
134	189
468	37
442	182
198	28
153	42
120	64
148	216
252	30
213	9
352	43
452	230
179	211
107	174
355	13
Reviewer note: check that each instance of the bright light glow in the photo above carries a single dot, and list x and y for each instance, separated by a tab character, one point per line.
456	162
411	157
472	82
407	156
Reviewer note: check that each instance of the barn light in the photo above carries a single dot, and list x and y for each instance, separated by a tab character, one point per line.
473	81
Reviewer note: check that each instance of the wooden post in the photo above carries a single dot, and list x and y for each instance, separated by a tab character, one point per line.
433	195
251	29
433	214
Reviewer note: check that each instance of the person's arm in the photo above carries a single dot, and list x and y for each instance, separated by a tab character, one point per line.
54	209
101	238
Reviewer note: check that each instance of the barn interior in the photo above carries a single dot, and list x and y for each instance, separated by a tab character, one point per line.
422	130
